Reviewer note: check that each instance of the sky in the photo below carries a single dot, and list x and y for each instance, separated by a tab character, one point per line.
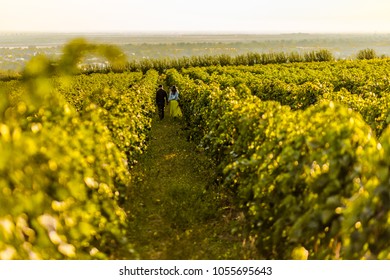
221	16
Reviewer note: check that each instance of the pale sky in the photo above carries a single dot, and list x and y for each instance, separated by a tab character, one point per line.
244	16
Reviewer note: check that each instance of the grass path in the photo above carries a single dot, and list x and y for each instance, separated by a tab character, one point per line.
176	211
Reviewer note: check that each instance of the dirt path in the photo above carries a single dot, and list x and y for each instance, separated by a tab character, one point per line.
176	212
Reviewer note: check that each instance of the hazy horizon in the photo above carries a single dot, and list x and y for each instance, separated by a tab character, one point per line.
17	48
200	17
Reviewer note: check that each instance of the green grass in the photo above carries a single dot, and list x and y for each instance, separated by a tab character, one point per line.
175	208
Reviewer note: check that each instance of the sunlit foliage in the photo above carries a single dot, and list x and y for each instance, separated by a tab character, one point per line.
66	149
299	147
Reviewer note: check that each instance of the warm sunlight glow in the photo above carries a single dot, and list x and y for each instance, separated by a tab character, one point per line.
248	16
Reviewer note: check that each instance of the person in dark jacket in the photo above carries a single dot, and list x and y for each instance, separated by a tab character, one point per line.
161	101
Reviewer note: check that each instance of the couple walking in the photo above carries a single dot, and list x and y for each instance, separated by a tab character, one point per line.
162	99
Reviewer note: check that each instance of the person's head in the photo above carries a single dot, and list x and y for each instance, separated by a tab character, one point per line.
173	89
160	86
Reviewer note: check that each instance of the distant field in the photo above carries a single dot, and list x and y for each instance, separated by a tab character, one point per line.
16	49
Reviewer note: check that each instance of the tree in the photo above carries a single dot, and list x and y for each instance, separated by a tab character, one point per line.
366	54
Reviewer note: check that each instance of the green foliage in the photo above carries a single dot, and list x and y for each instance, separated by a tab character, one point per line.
366	226
366	54
251	58
301	147
304	174
126	101
64	168
322	55
300	85
312	182
76	50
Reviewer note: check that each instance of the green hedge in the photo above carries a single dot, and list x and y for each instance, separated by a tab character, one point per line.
312	183
64	170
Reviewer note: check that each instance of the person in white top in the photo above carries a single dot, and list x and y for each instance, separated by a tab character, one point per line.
173	99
